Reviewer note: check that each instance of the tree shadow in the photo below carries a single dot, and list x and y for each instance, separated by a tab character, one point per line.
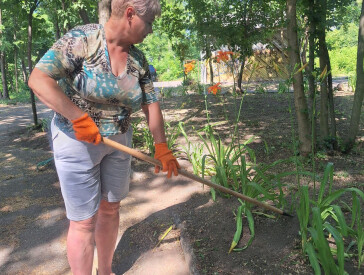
143	236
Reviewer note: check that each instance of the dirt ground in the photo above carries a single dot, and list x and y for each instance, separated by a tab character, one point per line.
209	226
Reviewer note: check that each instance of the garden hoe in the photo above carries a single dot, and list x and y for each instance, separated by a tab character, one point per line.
153	161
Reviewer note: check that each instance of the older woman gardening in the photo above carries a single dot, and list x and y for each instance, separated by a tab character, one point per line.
94	78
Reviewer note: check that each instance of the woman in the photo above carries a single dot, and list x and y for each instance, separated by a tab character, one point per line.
102	78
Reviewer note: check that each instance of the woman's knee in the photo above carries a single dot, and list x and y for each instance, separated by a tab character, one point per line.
109	208
87	225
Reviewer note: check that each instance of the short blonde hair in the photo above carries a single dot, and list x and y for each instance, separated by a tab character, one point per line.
146	8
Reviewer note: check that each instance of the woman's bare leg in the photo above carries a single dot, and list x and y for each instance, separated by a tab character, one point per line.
80	245
107	228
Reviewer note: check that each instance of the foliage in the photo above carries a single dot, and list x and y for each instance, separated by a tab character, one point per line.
343	60
342	45
158	50
320	218
142	137
234	166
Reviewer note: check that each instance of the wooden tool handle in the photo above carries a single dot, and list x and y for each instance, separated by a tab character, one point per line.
183	172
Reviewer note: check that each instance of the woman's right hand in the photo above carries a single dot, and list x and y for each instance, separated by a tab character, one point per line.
86	129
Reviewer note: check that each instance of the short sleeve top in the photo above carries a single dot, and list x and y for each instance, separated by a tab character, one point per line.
80	62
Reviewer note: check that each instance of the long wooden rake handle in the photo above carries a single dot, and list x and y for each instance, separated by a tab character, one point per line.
153	161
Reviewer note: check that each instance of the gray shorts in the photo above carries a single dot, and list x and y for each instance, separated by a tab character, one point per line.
89	173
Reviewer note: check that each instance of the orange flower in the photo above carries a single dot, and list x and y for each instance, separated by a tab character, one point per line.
215	88
223	56
189	67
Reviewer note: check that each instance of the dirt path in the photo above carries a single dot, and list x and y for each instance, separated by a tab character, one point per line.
33	225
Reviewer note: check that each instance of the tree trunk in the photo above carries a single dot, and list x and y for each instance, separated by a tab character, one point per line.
304	132
5	93
56	26
304	46
359	91
24	70
3	75
208	56
310	70
68	25
16	65
331	103
104	7
240	76
30	64
324	115
83	15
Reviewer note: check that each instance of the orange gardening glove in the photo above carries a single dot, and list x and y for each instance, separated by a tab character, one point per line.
165	156
86	129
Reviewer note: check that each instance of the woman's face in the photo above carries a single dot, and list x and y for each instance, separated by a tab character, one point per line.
142	26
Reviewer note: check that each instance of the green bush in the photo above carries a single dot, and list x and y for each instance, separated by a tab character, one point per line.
343	60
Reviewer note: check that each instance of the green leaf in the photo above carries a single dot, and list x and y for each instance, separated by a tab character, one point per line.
312	256
239	228
339	244
341	220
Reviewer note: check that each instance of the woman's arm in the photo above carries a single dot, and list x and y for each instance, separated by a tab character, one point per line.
155	121
48	91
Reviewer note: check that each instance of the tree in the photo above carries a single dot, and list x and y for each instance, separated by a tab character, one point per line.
5	92
237	25
304	132
104	11
359	91
32	5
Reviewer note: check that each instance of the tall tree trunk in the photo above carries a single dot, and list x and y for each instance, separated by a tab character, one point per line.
24	70
104	7
68	25
324	102
359	91
208	56
16	64
83	15
3	75
304	132
240	76
5	93
331	103
30	63
304	46
310	70
56	26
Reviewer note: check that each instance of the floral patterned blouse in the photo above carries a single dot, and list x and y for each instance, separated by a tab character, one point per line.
80	62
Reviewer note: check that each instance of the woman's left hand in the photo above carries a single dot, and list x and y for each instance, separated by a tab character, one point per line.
165	156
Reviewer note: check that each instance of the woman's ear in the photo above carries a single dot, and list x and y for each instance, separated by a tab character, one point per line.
130	12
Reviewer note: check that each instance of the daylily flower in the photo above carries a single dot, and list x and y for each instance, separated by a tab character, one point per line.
223	56
189	67
215	88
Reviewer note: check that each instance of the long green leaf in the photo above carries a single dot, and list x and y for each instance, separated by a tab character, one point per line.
328	170
324	253
239	228
303	212
339	244
261	190
250	219
312	256
233	174
341	220
355	208
329	199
